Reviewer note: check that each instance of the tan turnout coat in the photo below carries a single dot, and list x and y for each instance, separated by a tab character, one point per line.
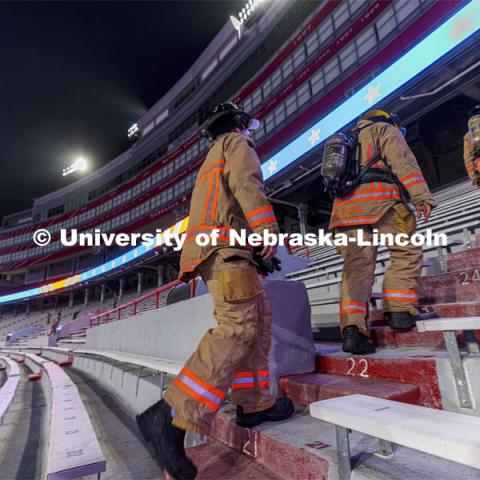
472	165
229	194
369	202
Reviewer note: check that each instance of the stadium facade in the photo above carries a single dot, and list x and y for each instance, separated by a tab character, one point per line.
306	69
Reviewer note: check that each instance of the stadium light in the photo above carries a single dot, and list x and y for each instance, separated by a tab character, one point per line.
247	11
80	165
133	133
451	33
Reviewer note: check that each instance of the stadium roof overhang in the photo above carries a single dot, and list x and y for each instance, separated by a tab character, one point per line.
405	71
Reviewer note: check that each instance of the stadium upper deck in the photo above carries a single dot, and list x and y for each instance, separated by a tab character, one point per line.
294	64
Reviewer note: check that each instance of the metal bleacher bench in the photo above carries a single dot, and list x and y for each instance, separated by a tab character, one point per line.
448	435
448	327
9	388
74	450
160	365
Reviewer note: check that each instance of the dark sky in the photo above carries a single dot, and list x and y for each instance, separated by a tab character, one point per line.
75	75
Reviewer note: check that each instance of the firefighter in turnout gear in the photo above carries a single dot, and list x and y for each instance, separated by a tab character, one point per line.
471	147
228	194
382	201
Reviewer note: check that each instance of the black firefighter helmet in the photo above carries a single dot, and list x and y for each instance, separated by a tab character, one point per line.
224	117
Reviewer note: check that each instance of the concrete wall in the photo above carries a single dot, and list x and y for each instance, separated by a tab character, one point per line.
174	331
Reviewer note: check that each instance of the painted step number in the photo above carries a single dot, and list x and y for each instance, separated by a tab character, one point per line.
475	277
361	371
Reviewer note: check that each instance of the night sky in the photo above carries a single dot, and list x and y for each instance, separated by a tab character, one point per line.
75	75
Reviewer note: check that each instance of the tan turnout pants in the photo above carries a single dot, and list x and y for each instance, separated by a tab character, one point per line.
234	354
401	277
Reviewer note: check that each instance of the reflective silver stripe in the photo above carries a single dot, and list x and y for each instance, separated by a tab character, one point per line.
401	295
418	176
261	215
200	390
212	196
243	380
373	195
356	220
354	307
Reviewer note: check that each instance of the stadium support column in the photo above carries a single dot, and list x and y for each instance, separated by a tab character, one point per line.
139	282
27	309
302	217
85	303
121	282
161	275
102	293
70	300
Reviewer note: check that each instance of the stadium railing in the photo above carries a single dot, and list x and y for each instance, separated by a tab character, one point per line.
153	300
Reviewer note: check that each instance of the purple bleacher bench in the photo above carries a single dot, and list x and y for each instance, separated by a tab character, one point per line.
73	450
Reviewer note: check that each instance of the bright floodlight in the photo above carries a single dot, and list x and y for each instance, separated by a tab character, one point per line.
80	165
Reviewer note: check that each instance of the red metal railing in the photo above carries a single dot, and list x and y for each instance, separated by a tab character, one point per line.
302	250
150	301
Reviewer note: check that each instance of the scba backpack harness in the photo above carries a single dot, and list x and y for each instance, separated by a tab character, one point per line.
341	168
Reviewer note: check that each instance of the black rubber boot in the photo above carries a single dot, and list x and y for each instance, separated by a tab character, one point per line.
282	410
156	426
356	342
405	321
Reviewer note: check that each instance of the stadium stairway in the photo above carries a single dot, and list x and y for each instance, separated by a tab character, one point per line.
412	367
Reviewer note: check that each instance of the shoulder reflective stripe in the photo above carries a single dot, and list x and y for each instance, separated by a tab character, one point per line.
207	200
215	171
213	206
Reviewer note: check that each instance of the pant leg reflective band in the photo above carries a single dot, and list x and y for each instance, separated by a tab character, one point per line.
353	307
400	295
244	380
198	389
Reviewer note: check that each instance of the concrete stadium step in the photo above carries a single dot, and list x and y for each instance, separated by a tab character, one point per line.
386	337
304	448
215	460
463	260
307	388
411	366
458	309
450	287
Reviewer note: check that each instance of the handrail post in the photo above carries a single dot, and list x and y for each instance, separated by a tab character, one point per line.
134	308
192	288
157	299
